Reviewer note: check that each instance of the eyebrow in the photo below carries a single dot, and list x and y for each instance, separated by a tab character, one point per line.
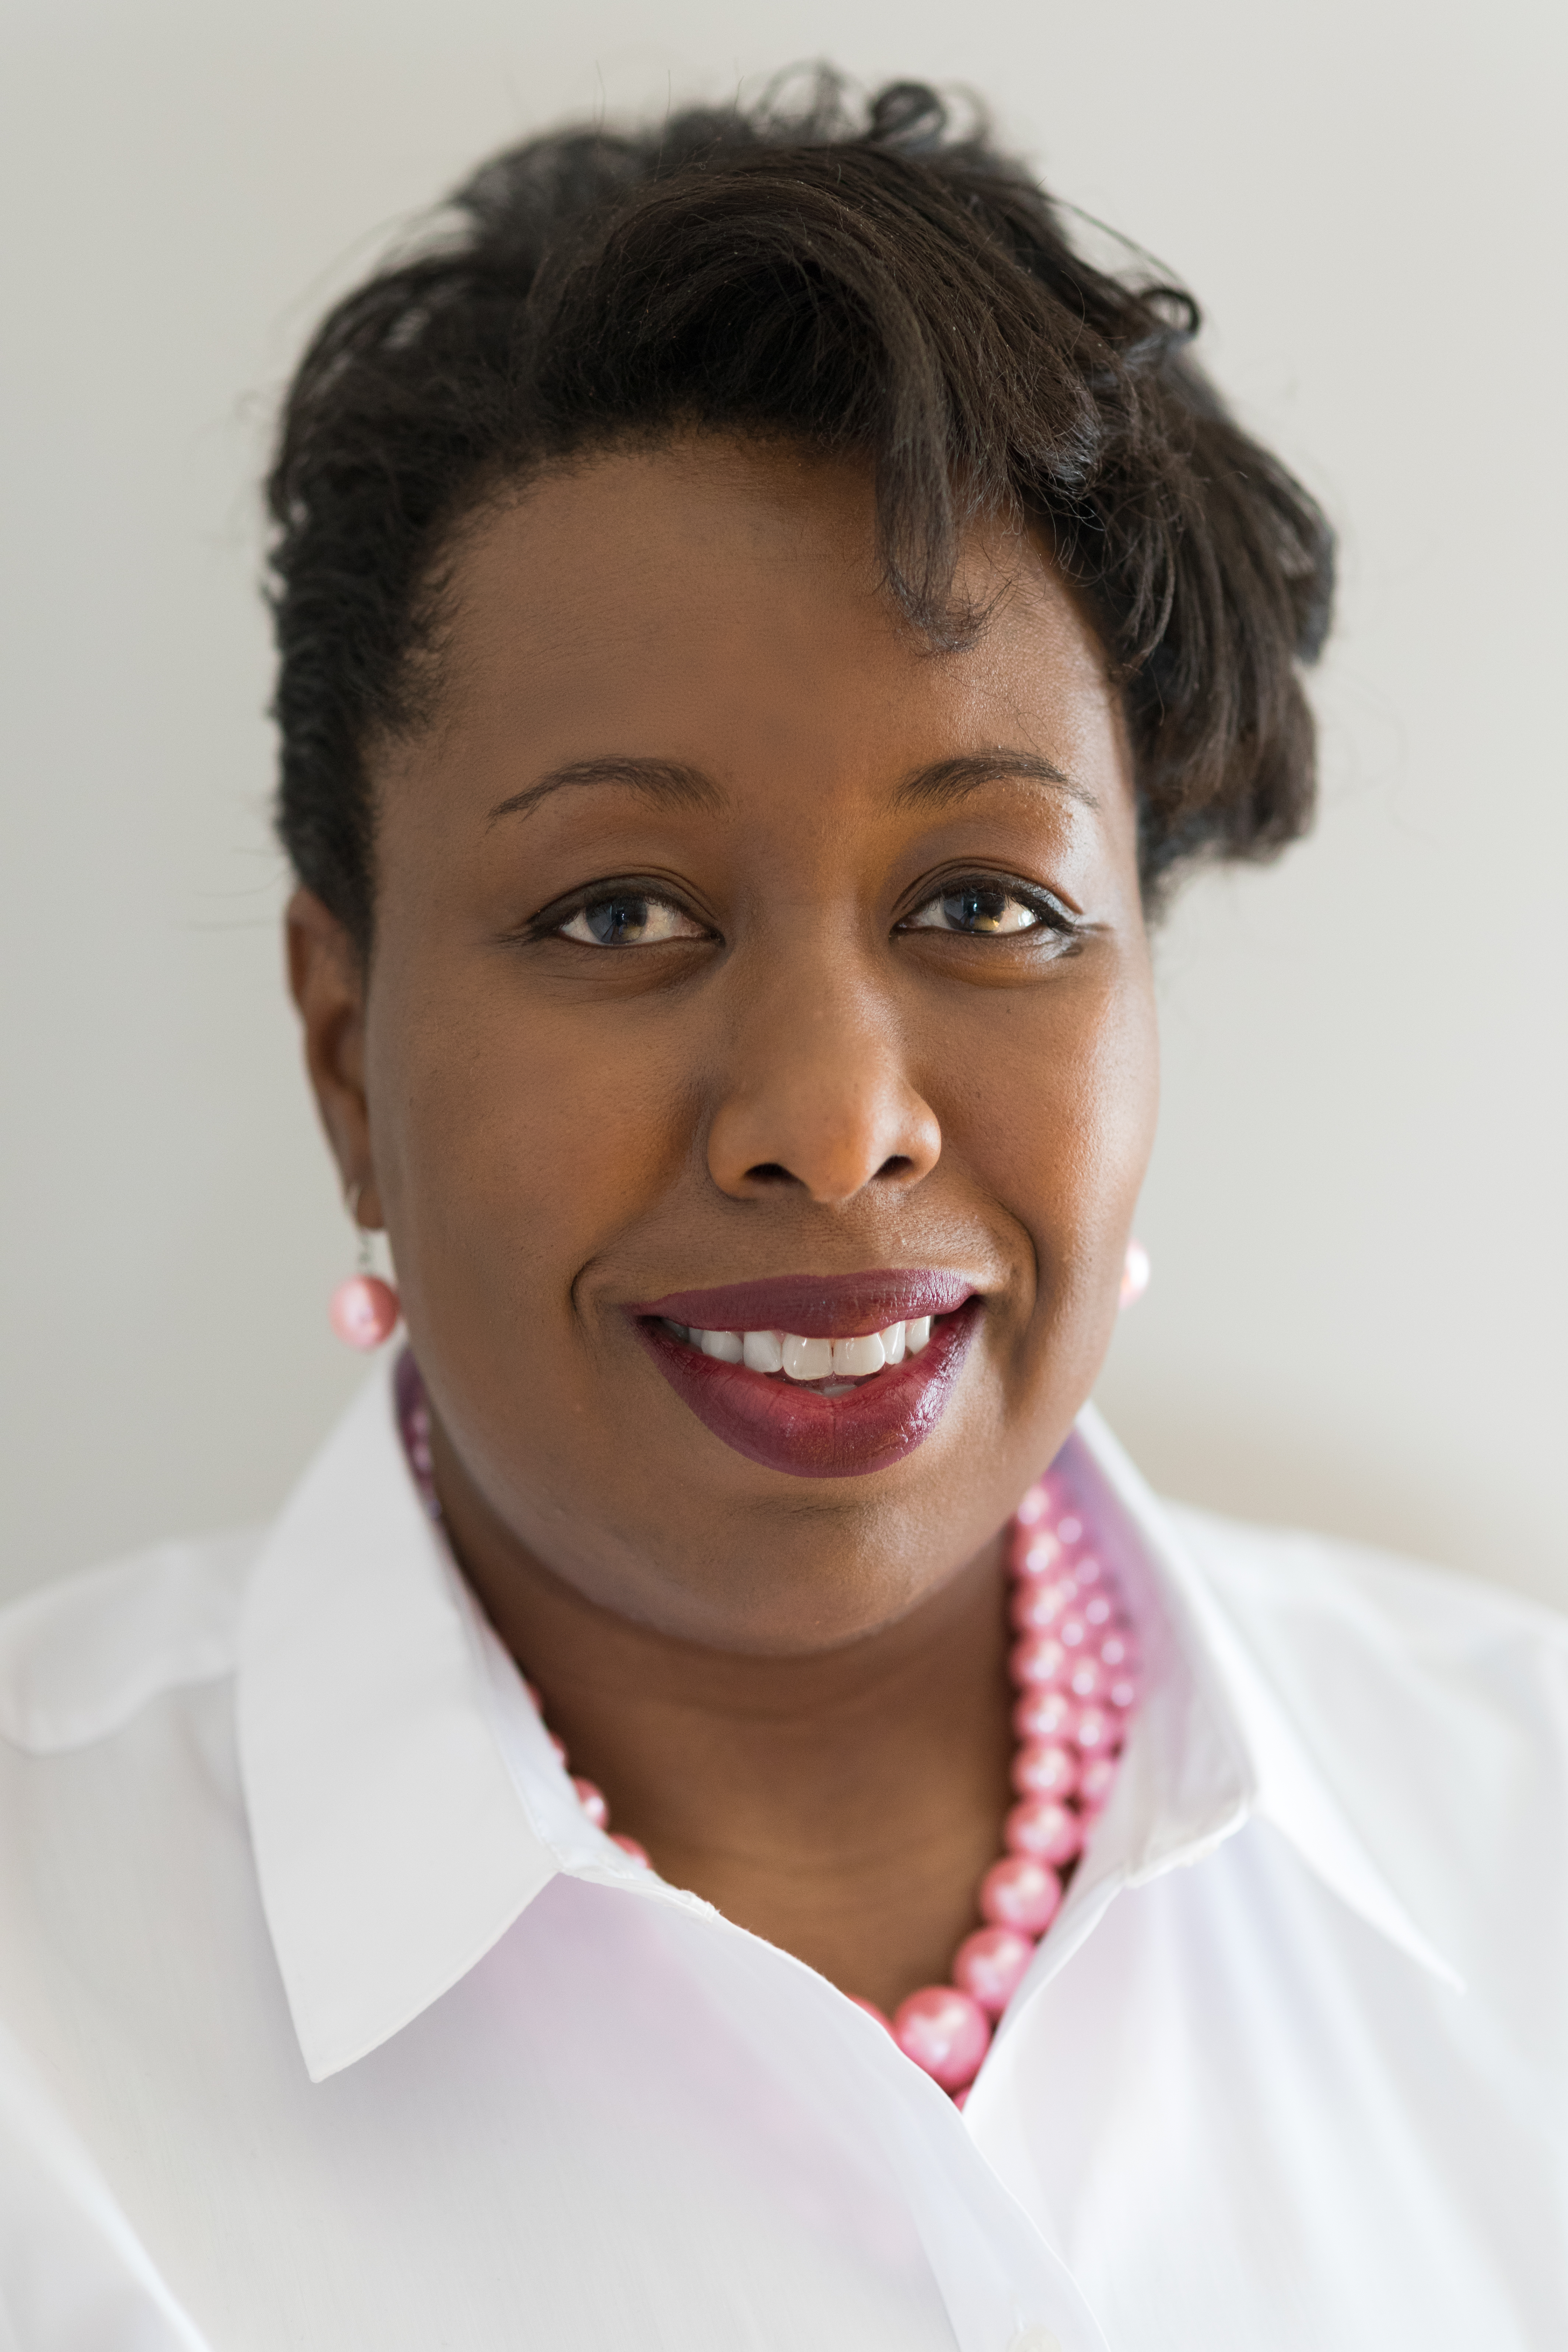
952	780
668	783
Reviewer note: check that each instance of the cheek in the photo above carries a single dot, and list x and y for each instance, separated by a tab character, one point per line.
1062	1119
515	1147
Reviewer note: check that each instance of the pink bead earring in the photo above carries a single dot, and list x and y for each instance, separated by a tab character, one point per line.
363	1310
1134	1274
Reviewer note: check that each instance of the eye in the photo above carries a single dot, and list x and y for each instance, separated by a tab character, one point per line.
981	908
628	918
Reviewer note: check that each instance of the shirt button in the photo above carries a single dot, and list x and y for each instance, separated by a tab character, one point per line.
1035	2339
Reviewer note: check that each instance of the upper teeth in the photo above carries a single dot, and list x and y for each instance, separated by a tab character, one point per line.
816	1360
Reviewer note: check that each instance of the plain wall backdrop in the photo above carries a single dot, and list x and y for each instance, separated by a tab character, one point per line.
1356	1209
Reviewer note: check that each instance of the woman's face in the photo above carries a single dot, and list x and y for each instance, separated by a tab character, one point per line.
727	935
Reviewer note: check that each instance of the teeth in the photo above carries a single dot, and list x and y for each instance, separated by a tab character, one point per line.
855	1358
812	1359
806	1360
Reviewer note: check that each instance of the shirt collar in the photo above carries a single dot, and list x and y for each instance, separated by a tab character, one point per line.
1213	1744
405	1801
406	1804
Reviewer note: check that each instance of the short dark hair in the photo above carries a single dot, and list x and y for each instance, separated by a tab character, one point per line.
872	280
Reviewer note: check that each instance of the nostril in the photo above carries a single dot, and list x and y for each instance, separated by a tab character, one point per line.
770	1171
900	1164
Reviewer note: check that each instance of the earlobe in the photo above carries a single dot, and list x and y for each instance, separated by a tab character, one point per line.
326	979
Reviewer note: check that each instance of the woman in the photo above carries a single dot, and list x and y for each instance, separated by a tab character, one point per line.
673	1836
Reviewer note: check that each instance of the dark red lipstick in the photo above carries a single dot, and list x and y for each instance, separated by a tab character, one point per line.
791	1425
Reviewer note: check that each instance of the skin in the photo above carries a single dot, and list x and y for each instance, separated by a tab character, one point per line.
793	1690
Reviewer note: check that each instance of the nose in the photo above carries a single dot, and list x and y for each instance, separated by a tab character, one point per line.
818	1097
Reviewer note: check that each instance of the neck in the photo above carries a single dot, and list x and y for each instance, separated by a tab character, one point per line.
842	1804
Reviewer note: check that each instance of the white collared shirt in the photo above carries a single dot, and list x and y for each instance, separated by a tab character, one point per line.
329	2023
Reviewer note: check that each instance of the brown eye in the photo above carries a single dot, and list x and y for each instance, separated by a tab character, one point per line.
988	909
629	919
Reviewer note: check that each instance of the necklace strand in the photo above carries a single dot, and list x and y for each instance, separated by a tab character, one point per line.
1074	1670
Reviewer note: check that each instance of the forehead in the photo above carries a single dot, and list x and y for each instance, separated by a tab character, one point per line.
723	601
742	570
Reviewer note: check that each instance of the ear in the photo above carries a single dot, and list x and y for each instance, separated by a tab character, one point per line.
327	981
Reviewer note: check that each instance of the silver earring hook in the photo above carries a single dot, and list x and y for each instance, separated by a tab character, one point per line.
366	1263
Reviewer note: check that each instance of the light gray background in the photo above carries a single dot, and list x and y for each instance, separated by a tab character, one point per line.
1356	1210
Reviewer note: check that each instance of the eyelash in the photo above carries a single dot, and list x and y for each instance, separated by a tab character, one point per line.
1048	911
1050	915
551	920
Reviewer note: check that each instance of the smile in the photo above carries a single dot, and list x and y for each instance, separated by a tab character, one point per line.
820	1376
834	1365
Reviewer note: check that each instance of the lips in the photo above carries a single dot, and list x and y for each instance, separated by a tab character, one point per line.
787	1426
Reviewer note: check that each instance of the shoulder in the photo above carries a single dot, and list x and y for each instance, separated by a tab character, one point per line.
79	1657
1429	1630
1436	1707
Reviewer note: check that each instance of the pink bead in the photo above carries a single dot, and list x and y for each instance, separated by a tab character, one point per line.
944	2030
1097	1732
1047	1830
871	2010
1089	1679
1034	1506
1035	1552
1122	1692
1098	1780
363	1310
989	1966
1035	1607
1045	1771
1070	1530
1042	1716
629	1845
592	1800
1036	1660
1116	1650
1021	1893
1097	1610
1134	1275
1086	1570
1071	1631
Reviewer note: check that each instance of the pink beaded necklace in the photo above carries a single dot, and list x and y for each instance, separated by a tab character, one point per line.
1074	1669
